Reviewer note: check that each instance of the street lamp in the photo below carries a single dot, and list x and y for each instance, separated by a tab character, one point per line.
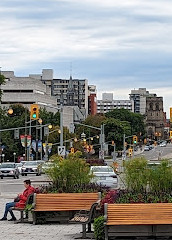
14	157
10	111
3	155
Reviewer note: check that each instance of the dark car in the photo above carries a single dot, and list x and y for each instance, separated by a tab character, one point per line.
9	170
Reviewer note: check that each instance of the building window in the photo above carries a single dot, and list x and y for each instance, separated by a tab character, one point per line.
151	106
157	106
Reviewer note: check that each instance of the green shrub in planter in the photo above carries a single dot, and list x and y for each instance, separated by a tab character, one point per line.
98	225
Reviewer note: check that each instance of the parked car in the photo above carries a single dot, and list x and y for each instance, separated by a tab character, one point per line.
31	167
146	148
9	170
104	175
163	144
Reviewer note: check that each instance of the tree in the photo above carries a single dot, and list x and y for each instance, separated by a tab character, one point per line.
136	120
17	119
115	129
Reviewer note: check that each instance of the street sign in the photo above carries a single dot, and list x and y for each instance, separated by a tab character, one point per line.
46	131
61	150
101	154
16	133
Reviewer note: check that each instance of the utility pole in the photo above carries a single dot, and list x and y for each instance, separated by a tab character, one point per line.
114	152
25	135
61	120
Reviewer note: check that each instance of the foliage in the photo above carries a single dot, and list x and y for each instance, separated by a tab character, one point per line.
126	196
160	178
99	228
135	197
115	129
90	187
17	119
49	117
93	162
110	197
68	173
136	174
139	177
136	120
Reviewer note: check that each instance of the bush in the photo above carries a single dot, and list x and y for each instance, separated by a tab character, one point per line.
136	174
69	173
139	177
98	225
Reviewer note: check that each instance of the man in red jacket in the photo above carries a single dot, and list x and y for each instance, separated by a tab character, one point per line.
21	203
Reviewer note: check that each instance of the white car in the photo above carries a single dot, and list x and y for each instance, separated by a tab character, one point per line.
163	144
104	175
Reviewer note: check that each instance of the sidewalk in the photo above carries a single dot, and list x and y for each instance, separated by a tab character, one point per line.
20	231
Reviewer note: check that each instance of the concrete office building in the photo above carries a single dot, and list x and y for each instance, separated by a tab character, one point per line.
26	91
107	104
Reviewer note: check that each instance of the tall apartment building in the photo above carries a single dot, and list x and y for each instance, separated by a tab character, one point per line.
107	104
72	92
139	98
25	90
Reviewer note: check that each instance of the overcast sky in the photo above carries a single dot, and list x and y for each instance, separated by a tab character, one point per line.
116	45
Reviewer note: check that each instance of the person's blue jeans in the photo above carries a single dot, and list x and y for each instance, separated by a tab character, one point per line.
7	209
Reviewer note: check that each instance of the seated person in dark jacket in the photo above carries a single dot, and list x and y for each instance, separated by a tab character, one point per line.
21	203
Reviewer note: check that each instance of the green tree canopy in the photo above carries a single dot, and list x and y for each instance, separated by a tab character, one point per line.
136	120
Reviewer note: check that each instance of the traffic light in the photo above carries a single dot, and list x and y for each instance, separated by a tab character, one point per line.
170	114
34	111
72	150
130	152
170	134
134	139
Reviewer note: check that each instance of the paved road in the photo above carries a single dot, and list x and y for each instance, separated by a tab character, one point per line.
158	153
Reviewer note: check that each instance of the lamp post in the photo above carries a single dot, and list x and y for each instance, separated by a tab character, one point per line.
14	154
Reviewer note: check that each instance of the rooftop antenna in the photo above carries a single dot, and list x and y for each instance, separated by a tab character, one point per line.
70	69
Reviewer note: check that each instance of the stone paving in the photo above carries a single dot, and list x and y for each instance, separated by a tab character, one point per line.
27	231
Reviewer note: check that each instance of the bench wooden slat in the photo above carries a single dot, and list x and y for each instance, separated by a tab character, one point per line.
135	214
65	201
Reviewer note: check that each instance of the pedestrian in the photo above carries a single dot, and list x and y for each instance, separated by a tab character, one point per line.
19	202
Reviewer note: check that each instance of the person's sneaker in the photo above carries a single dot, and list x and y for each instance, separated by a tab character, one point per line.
3	219
12	219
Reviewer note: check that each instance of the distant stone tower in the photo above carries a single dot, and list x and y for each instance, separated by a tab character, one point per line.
154	118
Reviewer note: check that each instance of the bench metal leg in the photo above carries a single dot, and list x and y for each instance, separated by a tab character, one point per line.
106	232
89	228
84	236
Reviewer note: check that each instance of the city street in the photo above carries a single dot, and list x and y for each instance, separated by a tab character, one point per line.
158	153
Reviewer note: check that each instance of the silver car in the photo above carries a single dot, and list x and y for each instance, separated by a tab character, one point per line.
31	167
9	170
104	175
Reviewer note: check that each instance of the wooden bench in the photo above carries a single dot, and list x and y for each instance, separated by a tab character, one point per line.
85	217
22	210
138	220
61	206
